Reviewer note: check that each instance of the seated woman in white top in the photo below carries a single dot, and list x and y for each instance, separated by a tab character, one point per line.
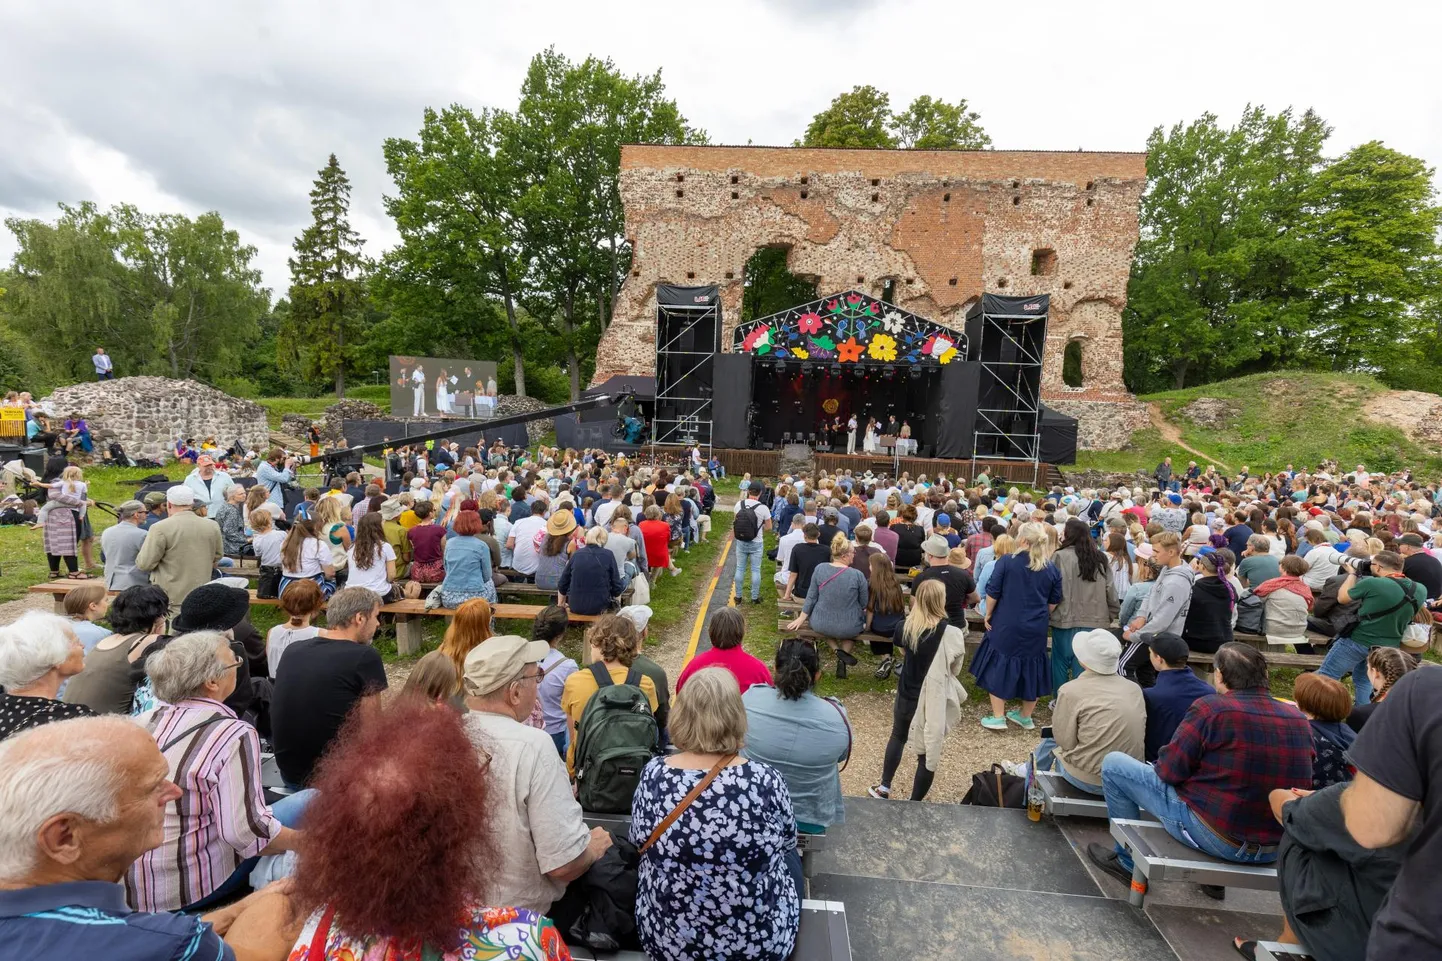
372	559
306	557
302	600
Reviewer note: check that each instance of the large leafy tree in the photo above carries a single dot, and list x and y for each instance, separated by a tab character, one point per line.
458	269
163	293
565	142
1374	221
1220	278
327	292
862	117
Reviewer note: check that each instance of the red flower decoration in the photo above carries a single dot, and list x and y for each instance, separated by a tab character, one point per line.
832	305
809	322
849	352
758	336
853	299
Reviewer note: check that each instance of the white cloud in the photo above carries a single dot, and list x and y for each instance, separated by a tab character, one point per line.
190	107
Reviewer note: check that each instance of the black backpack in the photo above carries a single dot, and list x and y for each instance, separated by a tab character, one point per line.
746	526
616	737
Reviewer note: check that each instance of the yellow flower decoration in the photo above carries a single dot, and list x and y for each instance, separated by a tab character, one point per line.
948	356
800	352
882	347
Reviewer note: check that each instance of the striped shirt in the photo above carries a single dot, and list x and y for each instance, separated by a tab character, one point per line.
221	817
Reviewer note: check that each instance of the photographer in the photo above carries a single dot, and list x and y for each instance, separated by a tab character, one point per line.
277	471
1389	601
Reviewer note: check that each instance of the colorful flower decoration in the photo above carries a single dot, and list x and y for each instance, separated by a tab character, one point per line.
937	345
800	353
809	322
849	351
853	299
893	321
759	340
882	348
831	405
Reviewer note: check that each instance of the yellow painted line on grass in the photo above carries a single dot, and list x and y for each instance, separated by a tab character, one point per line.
706	603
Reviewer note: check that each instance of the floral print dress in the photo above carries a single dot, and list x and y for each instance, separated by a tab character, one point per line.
716	885
515	934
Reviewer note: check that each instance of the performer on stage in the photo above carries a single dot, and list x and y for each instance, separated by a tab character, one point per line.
905	445
873	443
443	403
418	391
824	435
851	434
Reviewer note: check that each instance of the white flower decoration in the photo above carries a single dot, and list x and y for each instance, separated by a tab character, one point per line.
893	321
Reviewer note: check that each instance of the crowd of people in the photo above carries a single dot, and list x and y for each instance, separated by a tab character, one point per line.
132	756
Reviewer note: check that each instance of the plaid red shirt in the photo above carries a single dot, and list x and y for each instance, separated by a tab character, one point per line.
975	543
1231	751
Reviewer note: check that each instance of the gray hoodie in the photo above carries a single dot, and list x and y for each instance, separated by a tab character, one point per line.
1165	608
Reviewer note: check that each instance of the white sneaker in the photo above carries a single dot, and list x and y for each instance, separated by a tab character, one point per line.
1014	768
675	571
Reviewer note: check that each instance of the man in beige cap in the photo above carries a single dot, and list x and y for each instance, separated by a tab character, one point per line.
543	842
120	544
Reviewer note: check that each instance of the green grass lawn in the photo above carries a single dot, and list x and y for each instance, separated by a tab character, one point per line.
1277	419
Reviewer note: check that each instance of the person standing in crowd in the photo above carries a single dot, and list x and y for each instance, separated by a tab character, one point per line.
920	637
120	545
234	539
209	484
753	518
1088	597
1023	590
1210	784
1164	611
38	654
180	552
277	471
960	587
688	904
104	368
323	679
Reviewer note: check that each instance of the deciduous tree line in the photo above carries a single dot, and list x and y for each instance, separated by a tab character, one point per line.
1257	252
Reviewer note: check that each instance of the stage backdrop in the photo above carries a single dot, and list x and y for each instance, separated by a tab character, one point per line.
427	386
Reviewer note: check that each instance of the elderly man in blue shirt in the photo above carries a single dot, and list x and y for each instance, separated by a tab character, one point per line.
93	800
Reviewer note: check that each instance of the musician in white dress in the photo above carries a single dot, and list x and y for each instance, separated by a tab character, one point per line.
872	443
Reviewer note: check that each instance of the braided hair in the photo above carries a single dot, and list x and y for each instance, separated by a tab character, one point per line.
1391	664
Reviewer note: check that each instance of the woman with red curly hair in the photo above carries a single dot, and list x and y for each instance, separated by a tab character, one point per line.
395	865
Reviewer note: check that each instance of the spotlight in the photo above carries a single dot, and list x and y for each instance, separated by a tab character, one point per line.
889	374
806	367
916	373
836	368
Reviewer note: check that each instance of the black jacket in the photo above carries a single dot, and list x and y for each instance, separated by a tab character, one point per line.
590	580
1209	618
1330	616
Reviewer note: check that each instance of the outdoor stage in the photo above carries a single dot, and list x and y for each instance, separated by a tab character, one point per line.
767	463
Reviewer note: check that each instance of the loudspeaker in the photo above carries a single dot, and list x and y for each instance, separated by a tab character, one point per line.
729	400
954	408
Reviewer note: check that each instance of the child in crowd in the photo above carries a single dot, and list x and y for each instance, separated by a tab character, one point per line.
302	600
72	482
267	540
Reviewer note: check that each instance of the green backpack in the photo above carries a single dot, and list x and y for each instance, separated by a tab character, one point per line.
616	737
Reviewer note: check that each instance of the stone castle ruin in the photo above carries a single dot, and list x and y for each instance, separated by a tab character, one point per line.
933	229
148	414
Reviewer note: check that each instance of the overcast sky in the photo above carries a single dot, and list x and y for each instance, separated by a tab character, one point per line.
234	106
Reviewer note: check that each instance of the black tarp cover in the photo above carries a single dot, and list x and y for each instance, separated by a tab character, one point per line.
1057	444
996	305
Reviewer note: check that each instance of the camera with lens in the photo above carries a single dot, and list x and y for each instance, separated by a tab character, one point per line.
1361	566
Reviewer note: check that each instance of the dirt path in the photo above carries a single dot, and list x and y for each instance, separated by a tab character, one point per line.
11	610
1172	435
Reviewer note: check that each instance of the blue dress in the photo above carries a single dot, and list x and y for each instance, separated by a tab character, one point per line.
1011	662
716	885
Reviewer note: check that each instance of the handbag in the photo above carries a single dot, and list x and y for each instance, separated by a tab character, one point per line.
267	586
996	789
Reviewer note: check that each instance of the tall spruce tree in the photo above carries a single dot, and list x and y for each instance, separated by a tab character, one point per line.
327	292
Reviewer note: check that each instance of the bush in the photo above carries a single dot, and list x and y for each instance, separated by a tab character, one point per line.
238	387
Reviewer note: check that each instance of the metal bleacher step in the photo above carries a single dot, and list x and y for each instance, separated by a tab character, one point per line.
1064	799
1277	951
1158	856
821	937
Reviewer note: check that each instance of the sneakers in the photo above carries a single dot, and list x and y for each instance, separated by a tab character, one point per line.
675	571
883	670
1021	721
1014	768
1108	860
880	792
755	600
993	723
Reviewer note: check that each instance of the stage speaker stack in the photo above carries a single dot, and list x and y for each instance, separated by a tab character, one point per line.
688	328
1006	337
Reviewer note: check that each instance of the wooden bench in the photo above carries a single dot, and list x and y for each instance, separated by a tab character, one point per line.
1157	856
408	613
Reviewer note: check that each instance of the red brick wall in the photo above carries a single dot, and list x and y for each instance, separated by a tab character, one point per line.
945	225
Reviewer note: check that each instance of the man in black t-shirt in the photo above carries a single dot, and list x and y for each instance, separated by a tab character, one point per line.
1420	566
323	679
960	585
1398	757
804	558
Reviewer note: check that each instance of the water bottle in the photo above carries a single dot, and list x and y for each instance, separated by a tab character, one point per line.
1035	799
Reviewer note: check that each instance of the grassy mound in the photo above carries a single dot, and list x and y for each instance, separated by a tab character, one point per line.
1266	421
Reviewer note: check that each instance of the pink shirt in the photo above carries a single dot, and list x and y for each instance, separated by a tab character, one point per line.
747	668
885	538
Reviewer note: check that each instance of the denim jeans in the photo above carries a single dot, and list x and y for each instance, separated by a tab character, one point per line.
287	811
1064	665
1131	786
560	740
752	552
1046	760
1347	655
